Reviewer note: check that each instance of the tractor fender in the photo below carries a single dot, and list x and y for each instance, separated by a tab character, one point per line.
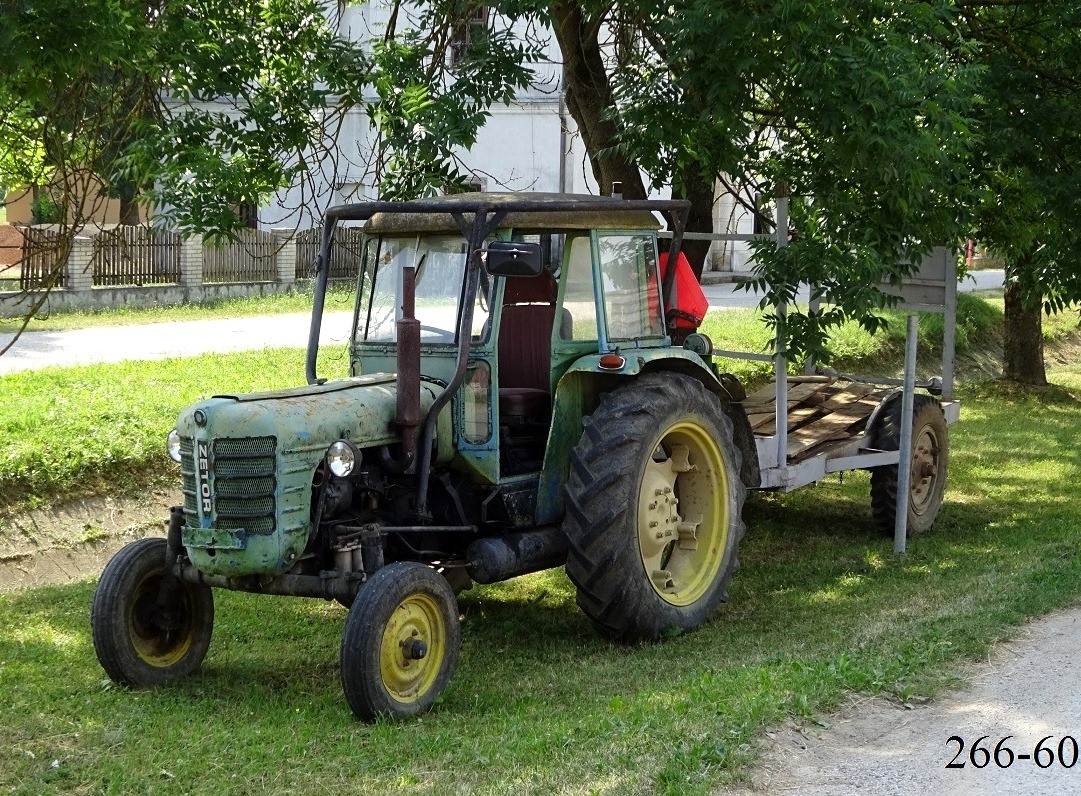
577	395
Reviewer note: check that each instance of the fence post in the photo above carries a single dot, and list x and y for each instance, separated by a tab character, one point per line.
80	272
286	257
191	261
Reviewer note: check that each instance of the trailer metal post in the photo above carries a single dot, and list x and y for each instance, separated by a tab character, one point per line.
780	363
780	375
949	327
813	306
904	461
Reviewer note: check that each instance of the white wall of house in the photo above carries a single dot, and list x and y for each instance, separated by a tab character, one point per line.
530	145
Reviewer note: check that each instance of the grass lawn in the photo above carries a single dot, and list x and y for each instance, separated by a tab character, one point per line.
542	705
82	430
88	407
539	703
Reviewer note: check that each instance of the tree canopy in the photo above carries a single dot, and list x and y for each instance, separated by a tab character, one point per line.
1027	164
202	106
893	125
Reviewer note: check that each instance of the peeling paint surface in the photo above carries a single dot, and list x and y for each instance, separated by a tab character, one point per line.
274	489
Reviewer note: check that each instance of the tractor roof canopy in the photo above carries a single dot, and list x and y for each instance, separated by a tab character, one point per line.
533	211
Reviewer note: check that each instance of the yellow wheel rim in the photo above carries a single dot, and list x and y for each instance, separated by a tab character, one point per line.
153	644
411	652
683	514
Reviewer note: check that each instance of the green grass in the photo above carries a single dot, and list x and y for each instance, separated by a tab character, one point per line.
338	300
73	431
539	703
979	325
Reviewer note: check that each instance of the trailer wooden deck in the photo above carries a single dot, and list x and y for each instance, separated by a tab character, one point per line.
824	414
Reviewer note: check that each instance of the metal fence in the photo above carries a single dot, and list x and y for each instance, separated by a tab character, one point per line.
136	256
344	256
250	258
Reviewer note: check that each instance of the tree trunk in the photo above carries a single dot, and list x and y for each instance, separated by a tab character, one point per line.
1022	359
699	190
126	193
129	211
589	97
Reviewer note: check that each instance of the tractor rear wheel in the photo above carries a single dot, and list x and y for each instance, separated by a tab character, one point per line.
149	627
930	454
400	643
654	502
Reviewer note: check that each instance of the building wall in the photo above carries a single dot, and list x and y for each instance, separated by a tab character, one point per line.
90	204
529	145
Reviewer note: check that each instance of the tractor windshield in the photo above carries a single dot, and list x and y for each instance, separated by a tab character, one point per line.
440	263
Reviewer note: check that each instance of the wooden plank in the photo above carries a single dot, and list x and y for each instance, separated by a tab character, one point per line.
811	379
822	447
847	394
806	438
796	417
765	396
801	416
762	401
761	419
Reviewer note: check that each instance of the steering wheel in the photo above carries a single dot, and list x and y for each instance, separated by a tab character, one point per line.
441	335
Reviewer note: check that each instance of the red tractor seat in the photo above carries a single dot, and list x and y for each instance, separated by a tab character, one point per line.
525	346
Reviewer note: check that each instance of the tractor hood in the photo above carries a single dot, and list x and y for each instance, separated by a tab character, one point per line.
305	420
248	463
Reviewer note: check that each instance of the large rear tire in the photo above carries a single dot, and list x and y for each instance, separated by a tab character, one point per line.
400	643
930	456
654	502
149	627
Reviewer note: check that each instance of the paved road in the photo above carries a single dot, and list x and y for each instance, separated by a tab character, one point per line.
171	339
189	338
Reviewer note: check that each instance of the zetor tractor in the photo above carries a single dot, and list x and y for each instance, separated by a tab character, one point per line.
515	403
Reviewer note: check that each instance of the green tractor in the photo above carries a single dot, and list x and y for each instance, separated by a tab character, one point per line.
515	403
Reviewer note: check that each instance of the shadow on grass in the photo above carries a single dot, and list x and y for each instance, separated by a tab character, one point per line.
539	702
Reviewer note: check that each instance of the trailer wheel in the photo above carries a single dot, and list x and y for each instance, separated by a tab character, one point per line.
148	626
400	643
654	501
930	453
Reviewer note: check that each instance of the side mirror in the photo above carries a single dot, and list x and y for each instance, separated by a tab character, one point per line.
507	258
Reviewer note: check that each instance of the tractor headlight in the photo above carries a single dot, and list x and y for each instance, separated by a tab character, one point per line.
172	444
342	458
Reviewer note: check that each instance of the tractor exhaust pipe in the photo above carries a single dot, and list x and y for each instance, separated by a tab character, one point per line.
504	557
407	416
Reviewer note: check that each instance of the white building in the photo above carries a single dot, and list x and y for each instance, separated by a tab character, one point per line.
529	145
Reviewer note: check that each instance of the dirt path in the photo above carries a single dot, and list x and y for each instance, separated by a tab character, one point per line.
72	542
1027	689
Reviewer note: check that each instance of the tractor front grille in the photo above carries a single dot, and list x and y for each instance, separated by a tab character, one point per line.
242	478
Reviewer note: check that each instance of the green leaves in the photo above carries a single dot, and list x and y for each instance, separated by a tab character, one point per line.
434	83
853	108
201	106
1029	161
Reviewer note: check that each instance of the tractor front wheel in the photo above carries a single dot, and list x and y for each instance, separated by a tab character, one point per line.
400	643
149	627
654	502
